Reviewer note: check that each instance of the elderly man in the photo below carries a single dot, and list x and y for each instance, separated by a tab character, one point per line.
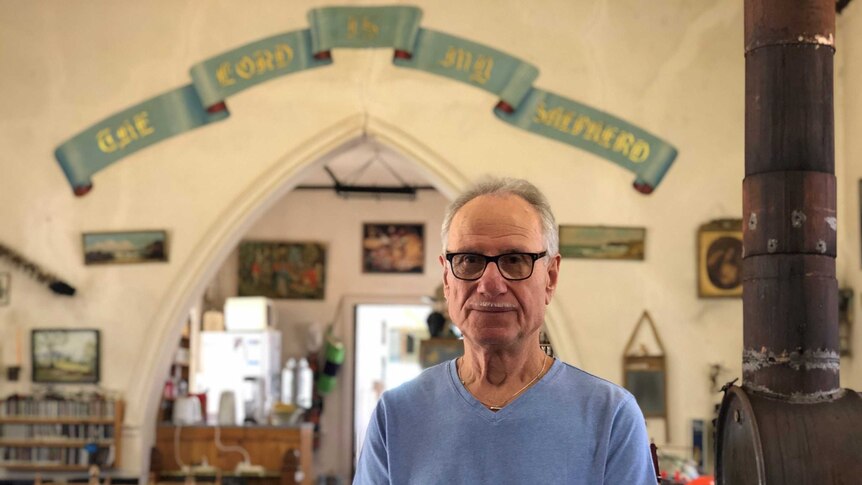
504	412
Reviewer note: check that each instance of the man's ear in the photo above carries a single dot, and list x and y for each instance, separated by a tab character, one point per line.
445	276
553	277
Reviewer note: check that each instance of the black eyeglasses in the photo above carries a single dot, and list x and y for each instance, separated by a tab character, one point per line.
513	266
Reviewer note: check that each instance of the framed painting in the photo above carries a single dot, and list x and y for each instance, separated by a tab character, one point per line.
719	259
600	242
5	288
65	356
282	270
645	370
125	247
393	248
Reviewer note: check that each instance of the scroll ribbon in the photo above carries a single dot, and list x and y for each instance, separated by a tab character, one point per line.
576	124
130	130
215	79
360	27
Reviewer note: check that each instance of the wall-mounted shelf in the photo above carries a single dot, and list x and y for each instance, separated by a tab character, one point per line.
41	467
50	435
57	420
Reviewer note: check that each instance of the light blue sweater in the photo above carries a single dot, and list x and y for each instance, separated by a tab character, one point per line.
570	427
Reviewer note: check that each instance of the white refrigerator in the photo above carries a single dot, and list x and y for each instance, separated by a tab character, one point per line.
245	363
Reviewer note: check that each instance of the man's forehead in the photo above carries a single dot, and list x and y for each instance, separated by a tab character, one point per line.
489	220
497	208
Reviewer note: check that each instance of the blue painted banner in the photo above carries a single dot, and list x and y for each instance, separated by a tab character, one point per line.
472	63
396	27
359	27
130	130
576	124
218	77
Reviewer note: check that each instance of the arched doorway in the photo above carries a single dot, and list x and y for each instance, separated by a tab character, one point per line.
225	234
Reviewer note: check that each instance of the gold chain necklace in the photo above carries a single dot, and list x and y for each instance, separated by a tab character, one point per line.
513	396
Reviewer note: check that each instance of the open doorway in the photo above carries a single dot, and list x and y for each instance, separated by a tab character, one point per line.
311	211
386	355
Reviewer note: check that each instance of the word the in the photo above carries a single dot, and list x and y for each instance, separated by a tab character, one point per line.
113	139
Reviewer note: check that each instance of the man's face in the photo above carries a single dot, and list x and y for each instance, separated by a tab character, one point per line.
492	311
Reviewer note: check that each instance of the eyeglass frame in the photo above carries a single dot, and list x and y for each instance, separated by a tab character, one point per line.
493	259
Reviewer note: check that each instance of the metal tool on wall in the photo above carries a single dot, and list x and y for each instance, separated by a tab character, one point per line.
56	285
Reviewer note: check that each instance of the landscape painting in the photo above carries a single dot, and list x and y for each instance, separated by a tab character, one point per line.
600	242
67	356
125	247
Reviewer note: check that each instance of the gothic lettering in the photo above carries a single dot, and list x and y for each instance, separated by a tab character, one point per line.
260	62
127	131
461	59
482	69
223	75
639	152
606	136
624	143
364	28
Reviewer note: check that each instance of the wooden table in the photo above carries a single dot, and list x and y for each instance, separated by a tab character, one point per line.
266	445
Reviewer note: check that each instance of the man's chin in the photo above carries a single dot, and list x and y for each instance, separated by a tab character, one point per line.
495	337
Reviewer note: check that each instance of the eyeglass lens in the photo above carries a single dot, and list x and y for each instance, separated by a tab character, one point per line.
515	266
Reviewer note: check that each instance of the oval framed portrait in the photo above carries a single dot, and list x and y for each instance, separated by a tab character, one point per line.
719	260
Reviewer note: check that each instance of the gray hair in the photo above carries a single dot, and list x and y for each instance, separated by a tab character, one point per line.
508	186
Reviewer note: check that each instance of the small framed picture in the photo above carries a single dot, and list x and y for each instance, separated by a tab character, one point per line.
600	242
5	287
65	356
125	247
281	269
393	248
719	259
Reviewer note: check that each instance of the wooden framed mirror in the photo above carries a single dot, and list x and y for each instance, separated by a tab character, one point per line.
645	371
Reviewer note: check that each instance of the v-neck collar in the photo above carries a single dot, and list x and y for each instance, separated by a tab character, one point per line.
496	416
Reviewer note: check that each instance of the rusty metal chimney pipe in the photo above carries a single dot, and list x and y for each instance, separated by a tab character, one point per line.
790	422
790	294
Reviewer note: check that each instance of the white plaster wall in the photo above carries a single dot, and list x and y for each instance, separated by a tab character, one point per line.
674	67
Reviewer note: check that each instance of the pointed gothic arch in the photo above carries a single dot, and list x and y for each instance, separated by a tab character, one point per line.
227	230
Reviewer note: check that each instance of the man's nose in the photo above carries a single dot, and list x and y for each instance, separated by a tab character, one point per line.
492	282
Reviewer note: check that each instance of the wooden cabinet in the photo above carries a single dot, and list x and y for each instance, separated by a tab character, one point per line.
266	445
50	435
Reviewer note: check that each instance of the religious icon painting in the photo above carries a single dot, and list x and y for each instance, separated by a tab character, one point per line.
393	248
719	259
